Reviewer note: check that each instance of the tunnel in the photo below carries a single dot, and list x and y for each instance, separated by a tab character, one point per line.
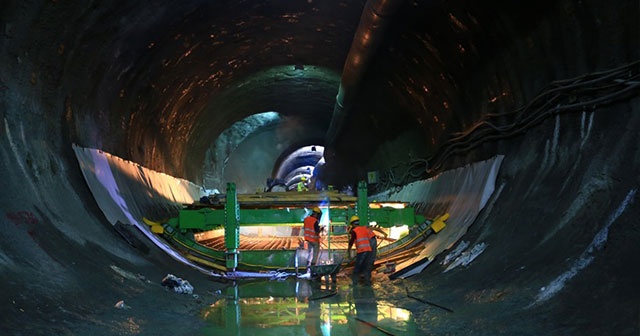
241	91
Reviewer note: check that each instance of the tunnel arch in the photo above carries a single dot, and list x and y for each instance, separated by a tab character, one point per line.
157	84
299	162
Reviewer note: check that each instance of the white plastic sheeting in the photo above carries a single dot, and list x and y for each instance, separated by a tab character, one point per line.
466	257
126	192
453	255
461	192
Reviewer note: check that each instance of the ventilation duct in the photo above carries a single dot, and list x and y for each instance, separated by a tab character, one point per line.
373	23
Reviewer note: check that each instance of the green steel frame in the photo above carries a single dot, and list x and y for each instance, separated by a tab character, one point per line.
233	216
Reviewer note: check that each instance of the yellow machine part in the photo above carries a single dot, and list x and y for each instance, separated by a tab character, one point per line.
438	223
155	226
157	229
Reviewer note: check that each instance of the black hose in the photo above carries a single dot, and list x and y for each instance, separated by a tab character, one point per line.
331	293
427	302
373	326
430	303
365	322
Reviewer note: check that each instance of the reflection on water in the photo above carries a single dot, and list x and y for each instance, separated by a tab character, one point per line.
301	307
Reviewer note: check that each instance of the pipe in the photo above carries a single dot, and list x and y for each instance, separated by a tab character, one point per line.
374	326
373	23
427	302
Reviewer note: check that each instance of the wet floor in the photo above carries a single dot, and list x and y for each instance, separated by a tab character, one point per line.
301	307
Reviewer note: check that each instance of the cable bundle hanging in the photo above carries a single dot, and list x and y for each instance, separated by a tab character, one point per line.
563	96
579	94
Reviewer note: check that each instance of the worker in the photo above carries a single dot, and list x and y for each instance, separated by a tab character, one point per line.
373	242
312	235
360	235
302	185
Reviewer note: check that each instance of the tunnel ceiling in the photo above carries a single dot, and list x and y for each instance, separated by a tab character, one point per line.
157	83
549	88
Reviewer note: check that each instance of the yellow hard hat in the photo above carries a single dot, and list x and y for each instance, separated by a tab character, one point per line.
303	178
316	210
354	219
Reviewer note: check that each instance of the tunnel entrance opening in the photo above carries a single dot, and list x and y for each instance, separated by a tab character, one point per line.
251	139
298	169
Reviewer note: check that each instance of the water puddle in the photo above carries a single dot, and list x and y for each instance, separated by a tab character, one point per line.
301	307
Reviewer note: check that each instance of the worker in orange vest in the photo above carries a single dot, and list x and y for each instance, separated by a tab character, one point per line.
373	242
360	235
312	235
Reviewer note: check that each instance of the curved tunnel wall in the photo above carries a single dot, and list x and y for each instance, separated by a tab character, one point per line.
147	82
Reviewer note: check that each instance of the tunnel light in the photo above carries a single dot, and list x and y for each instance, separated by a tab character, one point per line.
325	220
395	205
396	232
200	236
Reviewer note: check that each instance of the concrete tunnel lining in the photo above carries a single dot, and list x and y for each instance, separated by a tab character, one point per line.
151	84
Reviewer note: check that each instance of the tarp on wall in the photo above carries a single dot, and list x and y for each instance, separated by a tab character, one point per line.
126	191
461	192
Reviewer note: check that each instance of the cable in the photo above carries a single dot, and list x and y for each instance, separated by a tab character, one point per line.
585	92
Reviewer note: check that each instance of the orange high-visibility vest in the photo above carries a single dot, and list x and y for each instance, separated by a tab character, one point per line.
362	239
371	234
310	229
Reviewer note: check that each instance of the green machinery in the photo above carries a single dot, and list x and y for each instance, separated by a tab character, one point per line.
266	209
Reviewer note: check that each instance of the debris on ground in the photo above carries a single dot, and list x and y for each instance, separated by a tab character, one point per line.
176	284
121	305
467	257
